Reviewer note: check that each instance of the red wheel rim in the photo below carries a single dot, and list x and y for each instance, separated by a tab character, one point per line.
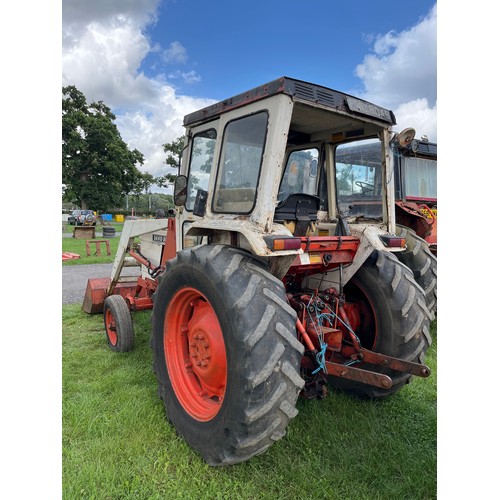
361	315
110	327
195	354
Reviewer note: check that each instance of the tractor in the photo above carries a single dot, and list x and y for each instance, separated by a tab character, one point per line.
261	287
359	170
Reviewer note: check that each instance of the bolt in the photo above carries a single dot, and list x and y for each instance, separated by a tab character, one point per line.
385	383
204	363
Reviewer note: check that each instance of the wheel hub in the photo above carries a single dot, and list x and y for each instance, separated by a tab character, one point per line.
203	336
195	354
111	327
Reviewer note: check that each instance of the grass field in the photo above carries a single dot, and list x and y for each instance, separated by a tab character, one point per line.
77	246
117	443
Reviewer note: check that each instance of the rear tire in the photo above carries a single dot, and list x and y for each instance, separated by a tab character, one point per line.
226	354
118	324
423	264
394	319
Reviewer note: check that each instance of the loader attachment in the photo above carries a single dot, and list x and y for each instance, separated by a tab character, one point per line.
137	290
97	291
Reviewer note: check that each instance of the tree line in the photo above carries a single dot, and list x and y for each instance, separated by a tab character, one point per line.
98	168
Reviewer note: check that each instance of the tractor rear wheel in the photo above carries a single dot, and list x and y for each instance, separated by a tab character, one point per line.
389	309
226	354
422	262
118	324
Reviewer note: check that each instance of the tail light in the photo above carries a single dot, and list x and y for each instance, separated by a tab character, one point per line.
277	243
392	241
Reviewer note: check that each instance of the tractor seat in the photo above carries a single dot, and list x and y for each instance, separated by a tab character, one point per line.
300	208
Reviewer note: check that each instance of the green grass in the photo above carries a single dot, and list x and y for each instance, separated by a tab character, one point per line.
77	246
117	443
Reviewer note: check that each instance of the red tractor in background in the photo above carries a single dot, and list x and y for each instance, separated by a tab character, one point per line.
267	283
359	182
415	183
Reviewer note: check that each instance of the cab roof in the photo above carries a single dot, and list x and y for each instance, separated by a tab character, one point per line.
299	90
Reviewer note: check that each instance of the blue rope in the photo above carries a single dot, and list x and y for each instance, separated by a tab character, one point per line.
320	358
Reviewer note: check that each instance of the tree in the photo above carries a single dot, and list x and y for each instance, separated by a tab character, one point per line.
174	149
98	168
145	183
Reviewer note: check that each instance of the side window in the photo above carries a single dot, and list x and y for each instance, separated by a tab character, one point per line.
420	177
202	154
301	173
238	175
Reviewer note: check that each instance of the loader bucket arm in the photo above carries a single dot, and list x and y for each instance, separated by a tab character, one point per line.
131	229
98	289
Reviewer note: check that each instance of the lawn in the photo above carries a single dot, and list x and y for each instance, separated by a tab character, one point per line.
77	246
118	444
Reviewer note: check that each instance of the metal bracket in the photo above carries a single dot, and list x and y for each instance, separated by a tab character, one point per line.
359	375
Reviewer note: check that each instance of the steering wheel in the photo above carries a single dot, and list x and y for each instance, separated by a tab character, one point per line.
365	187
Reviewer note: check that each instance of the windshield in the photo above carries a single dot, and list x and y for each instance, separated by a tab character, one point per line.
301	173
359	178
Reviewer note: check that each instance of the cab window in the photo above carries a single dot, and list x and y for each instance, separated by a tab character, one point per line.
202	154
301	173
239	168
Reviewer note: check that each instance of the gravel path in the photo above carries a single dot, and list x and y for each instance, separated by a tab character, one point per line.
74	279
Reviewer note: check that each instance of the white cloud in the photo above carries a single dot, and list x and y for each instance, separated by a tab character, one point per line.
104	44
420	116
175	53
401	74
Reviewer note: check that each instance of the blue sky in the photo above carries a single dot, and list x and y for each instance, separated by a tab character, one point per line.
153	61
228	49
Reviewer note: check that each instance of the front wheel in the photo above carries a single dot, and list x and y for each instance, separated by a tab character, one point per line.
118	324
226	354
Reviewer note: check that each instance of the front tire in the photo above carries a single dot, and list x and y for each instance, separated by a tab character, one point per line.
392	317
226	354
118	324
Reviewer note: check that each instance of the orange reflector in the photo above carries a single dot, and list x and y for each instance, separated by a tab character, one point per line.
393	241
277	243
315	258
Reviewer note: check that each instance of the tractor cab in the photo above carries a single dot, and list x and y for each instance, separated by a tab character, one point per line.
263	166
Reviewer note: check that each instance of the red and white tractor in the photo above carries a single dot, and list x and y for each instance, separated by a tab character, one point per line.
262	286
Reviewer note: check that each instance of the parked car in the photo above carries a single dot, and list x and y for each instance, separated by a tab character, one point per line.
82	218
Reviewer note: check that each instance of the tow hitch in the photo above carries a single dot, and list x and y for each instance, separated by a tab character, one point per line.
333	348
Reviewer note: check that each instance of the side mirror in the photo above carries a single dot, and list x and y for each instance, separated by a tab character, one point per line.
180	190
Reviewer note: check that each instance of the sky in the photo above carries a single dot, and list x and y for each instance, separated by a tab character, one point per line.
154	61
